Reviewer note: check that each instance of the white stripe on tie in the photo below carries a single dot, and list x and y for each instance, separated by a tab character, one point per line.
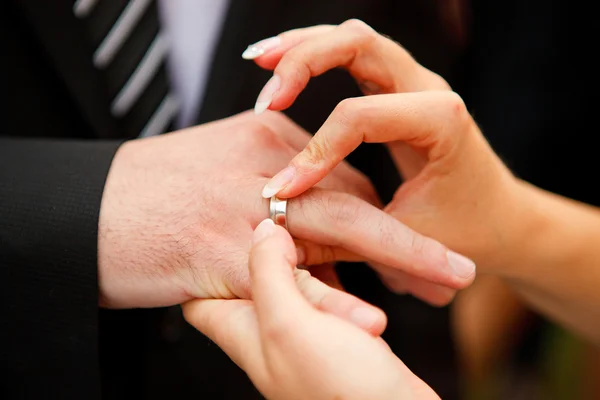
141	77
117	35
161	117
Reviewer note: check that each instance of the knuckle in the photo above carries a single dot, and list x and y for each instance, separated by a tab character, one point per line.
293	57
456	106
262	134
316	151
437	82
295	66
347	112
456	123
263	130
359	27
241	136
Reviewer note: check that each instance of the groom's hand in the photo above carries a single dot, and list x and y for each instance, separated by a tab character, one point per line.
178	212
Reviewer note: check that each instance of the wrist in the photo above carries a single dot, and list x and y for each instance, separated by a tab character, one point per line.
515	225
527	234
137	253
555	233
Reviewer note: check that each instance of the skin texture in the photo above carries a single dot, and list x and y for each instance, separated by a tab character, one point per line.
178	212
279	337
457	190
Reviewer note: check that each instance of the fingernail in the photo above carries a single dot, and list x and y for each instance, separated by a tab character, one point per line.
263	230
278	182
300	255
259	48
461	265
364	317
266	95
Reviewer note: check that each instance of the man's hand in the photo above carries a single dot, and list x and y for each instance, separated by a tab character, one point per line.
178	212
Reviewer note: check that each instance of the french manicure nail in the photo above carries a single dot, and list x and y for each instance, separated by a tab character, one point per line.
259	48
364	317
461	265
263	230
266	94
278	182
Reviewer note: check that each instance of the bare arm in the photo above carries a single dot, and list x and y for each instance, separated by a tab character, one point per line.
556	266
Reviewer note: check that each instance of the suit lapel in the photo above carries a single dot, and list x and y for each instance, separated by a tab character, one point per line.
247	21
65	41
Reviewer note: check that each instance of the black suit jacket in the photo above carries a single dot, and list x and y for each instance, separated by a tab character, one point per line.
58	140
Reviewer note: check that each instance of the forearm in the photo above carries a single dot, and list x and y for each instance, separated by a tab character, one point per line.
555	262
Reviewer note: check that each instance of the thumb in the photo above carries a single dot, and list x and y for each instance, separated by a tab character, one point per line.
284	295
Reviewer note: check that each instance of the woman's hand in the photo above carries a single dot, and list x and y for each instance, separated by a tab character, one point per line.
289	348
452	177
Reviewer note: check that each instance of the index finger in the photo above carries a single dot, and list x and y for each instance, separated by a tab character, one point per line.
433	122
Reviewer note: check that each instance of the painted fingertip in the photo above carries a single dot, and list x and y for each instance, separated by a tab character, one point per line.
278	182
260	48
266	95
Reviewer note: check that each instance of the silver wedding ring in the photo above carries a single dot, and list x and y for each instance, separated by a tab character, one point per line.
278	210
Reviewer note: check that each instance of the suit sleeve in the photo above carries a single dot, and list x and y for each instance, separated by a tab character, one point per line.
50	195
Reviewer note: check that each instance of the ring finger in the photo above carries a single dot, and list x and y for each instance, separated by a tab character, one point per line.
355	229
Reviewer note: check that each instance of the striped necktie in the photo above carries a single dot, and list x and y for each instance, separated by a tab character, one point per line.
130	52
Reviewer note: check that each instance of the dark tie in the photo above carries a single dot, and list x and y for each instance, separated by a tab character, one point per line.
130	52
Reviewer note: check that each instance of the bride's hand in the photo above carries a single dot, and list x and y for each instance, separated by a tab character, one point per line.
288	347
456	189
